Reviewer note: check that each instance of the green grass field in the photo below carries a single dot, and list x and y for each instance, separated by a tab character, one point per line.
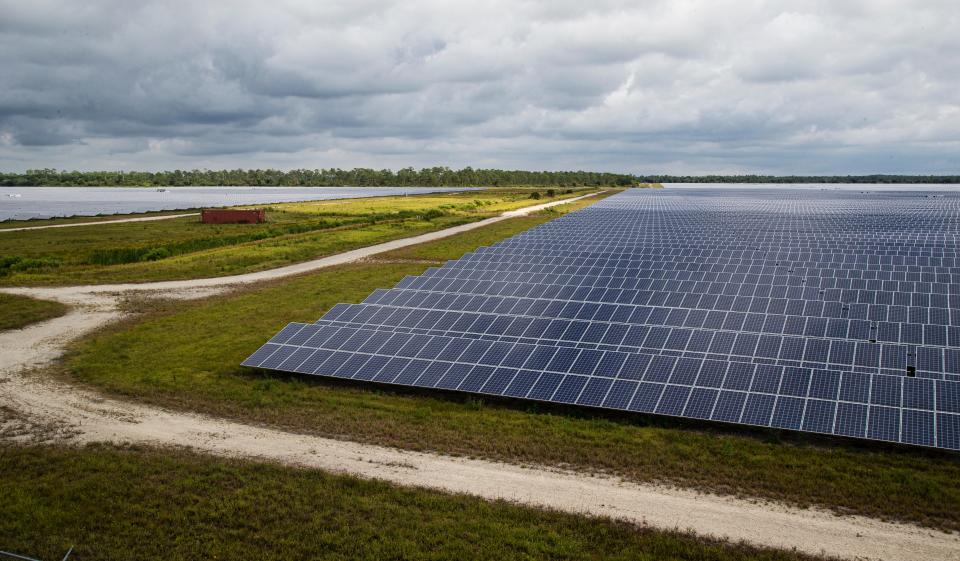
131	503
9	224
185	248
186	356
20	311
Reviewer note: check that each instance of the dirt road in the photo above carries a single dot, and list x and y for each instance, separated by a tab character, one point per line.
88	417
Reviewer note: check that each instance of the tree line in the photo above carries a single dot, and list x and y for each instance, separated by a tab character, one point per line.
334	177
410	177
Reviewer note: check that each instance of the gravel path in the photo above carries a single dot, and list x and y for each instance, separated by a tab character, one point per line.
89	417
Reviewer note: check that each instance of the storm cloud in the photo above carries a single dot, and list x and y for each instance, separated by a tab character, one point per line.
684	86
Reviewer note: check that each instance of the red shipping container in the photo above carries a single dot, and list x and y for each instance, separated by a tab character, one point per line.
227	216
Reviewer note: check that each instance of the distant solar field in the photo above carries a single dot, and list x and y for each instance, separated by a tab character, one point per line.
832	312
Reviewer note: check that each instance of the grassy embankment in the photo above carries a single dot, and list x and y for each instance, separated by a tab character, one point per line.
186	355
131	503
21	311
35	222
185	248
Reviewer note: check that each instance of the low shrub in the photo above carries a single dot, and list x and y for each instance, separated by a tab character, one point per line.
15	264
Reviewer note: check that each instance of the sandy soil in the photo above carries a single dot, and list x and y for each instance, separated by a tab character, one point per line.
86	417
97	223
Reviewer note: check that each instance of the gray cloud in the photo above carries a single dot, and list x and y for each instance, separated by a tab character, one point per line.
691	86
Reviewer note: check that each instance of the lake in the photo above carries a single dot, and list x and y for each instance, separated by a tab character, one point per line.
22	203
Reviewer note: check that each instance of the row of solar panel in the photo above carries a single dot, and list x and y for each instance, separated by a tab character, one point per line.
699	243
815	259
911	360
915	393
901	409
714	248
632	277
736	237
648	277
631	338
851	278
605	289
591	293
931	334
682	291
768	261
706	244
680	271
617	226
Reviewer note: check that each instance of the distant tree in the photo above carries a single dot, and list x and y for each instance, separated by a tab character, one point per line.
435	176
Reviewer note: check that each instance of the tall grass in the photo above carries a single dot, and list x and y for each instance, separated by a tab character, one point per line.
20	311
131	503
121	255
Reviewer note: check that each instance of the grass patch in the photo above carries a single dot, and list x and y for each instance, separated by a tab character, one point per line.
31	222
186	355
20	311
181	248
130	503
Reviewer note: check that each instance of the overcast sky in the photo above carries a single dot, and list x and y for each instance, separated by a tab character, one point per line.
678	86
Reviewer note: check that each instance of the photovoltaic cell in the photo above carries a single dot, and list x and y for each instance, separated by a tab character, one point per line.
834	312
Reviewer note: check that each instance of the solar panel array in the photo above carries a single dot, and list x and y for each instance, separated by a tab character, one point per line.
831	312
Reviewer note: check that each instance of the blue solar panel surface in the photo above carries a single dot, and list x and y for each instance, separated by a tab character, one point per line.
833	312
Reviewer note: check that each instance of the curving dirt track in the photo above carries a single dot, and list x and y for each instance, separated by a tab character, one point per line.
86	417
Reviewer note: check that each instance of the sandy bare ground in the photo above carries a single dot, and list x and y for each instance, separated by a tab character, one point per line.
87	417
99	222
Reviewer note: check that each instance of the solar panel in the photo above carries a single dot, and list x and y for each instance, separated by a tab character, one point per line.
831	312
